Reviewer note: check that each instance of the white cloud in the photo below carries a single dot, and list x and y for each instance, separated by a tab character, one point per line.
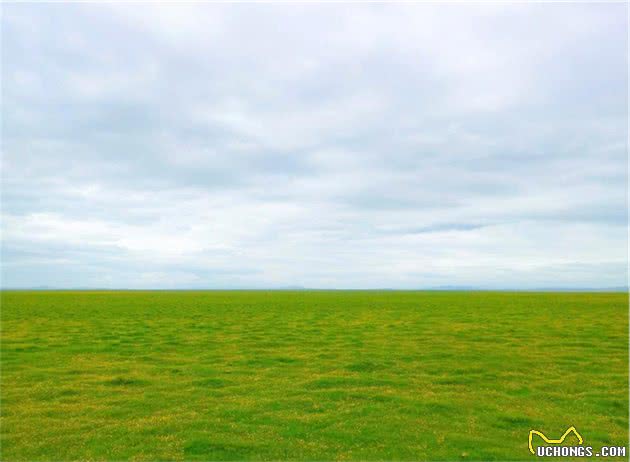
331	145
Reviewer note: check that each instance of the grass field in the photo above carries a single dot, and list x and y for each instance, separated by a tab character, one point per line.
308	375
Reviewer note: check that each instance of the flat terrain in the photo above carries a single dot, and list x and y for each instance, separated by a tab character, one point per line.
308	375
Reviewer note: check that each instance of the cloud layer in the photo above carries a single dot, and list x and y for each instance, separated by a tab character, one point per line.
316	145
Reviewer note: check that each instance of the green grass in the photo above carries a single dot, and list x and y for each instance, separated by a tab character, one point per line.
308	375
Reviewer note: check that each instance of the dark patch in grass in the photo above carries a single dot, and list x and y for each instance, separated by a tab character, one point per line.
424	408
75	372
286	360
52	395
26	349
461	380
342	395
212	383
125	382
266	362
209	450
365	366
514	422
350	382
468	371
612	405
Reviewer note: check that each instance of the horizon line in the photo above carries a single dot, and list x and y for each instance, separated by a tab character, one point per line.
615	289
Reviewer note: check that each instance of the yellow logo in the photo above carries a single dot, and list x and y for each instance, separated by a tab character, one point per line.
549	441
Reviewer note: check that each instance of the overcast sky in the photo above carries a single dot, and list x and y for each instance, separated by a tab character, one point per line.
314	145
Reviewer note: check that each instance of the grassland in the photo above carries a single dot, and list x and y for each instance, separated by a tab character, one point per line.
308	375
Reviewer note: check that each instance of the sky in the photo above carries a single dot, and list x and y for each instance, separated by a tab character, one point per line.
333	145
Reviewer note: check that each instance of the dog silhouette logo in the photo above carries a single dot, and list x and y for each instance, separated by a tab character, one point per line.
551	441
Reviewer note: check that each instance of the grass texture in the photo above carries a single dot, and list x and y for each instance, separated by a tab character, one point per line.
308	375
